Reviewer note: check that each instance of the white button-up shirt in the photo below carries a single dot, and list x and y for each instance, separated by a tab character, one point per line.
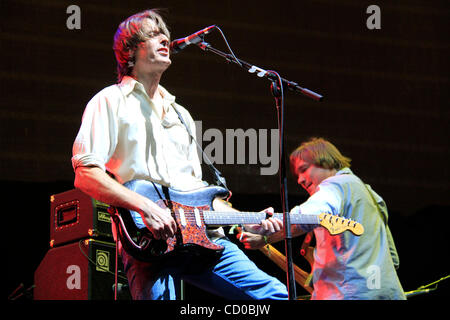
122	132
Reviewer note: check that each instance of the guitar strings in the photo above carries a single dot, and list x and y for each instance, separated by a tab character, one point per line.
190	216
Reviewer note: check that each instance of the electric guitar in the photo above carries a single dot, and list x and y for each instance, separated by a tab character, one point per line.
192	211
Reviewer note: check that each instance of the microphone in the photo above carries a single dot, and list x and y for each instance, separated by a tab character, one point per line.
179	44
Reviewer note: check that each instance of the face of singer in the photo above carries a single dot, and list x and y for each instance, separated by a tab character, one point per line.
152	55
310	176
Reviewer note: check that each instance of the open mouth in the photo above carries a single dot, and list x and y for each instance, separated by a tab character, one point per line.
163	51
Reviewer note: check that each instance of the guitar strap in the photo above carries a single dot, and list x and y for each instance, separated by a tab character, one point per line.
219	179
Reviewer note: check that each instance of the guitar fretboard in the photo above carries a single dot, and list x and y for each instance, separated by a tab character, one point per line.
241	217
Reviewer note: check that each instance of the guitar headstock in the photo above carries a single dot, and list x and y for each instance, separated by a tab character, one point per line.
336	225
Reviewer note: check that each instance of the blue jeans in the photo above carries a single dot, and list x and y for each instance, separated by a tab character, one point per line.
233	277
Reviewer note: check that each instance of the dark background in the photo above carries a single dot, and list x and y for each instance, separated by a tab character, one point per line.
386	106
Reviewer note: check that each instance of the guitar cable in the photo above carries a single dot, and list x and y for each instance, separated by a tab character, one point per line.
103	268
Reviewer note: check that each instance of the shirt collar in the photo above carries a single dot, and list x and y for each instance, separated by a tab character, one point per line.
129	84
167	96
345	170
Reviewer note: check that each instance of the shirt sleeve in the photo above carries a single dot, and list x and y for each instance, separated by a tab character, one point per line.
327	199
97	136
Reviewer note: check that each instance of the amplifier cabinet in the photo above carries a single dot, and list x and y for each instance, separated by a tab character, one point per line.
74	215
83	270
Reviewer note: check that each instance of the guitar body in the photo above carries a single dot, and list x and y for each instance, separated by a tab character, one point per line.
187	210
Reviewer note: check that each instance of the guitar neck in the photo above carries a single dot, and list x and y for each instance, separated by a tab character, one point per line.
242	217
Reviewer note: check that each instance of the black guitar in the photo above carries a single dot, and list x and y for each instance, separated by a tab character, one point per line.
192	211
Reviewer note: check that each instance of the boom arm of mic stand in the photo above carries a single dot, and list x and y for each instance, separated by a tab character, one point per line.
293	86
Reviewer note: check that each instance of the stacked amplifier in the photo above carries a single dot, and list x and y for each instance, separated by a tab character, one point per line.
81	261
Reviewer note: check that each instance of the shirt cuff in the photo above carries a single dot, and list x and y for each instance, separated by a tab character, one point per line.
87	160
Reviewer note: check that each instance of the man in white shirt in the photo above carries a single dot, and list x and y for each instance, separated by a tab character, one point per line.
132	131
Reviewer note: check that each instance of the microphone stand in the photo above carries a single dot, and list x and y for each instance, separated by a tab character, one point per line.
277	85
293	86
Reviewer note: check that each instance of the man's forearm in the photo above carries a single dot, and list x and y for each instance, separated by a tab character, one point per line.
99	185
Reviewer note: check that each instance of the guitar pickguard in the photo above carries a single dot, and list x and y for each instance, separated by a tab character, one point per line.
191	235
188	233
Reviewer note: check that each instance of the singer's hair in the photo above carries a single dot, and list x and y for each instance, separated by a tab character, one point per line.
130	33
321	153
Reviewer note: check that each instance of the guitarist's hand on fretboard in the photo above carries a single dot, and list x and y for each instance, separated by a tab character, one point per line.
268	226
